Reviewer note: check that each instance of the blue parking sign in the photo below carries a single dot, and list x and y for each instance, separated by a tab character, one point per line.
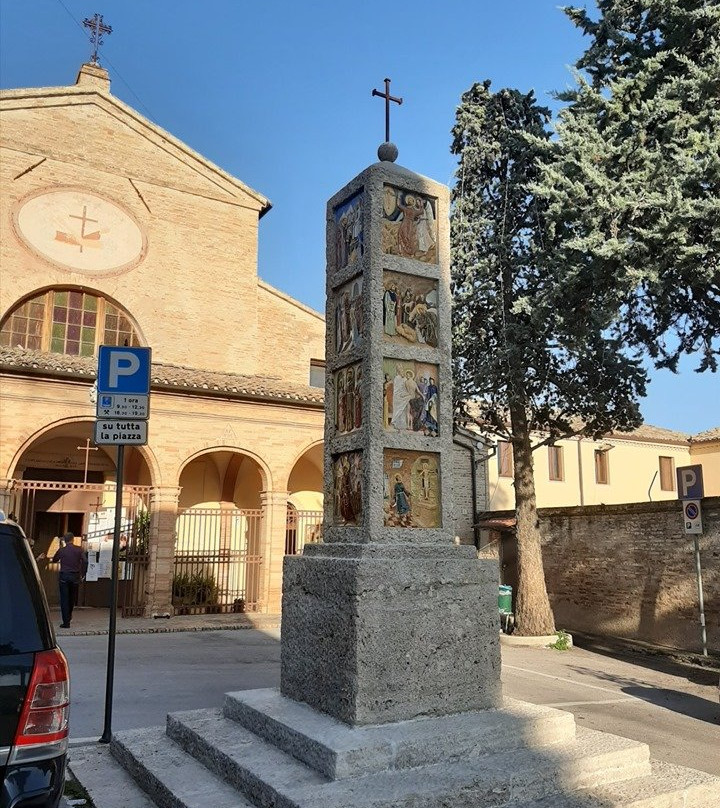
123	370
690	482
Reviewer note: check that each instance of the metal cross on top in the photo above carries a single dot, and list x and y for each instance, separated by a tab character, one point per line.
388	98
97	29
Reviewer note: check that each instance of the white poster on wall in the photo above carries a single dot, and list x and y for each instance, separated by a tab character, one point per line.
93	568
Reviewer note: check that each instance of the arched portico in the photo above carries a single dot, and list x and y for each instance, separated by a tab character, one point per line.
222	475
59	482
51	448
305	500
305	483
217	555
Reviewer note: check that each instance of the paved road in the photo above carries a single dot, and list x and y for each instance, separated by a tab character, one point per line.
672	707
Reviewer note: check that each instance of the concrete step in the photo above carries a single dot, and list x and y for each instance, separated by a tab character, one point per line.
496	781
172	778
256	768
270	778
339	751
176	780
104	779
668	786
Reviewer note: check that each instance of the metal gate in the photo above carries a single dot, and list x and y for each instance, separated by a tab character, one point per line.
217	561
46	509
302	527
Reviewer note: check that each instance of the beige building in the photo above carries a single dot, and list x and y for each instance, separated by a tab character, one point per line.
705	450
114	232
619	468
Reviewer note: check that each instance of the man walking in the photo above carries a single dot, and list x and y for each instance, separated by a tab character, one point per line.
72	568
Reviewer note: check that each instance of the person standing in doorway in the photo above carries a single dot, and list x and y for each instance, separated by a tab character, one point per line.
72	568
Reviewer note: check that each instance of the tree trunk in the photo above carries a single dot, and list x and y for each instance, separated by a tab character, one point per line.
533	615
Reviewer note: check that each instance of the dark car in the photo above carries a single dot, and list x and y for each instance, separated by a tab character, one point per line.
34	683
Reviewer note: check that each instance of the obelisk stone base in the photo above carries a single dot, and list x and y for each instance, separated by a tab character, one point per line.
390	633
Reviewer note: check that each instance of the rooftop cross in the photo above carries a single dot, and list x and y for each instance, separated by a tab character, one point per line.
97	29
388	98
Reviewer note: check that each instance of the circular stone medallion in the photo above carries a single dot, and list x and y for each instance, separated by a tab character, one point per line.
80	230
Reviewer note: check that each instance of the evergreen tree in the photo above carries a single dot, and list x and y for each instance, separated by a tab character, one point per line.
535	371
633	199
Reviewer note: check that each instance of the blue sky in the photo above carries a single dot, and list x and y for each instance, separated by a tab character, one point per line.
278	93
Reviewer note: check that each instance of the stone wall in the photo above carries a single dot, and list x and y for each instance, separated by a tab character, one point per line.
629	571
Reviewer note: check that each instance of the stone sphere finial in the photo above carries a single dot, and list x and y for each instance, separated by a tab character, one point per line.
387	152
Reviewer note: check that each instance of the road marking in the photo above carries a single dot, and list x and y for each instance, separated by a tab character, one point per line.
586	703
563	679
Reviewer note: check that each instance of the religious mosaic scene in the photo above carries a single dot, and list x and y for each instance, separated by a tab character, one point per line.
410	397
347	488
411	489
409	227
348	399
410	309
349	232
348	317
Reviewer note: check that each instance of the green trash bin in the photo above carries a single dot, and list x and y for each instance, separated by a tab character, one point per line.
505	599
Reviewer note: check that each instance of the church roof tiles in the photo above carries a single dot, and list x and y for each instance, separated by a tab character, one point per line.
164	377
707	435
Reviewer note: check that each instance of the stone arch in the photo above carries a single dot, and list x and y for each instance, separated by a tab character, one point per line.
305	481
80	428
58	482
223	474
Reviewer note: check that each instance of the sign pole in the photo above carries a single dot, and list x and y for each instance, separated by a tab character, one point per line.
109	681
691	491
123	404
701	599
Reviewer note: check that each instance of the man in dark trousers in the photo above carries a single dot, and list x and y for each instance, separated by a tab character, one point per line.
72	568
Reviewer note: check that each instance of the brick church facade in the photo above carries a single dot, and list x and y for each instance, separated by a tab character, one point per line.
115	232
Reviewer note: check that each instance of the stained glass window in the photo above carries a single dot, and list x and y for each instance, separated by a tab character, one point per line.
68	322
24	326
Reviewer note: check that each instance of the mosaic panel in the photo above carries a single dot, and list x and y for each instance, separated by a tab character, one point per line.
348	318
349	246
411	489
348	399
347	488
410	397
410	309
409	226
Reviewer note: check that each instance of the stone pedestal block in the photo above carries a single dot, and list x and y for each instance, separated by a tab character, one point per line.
390	636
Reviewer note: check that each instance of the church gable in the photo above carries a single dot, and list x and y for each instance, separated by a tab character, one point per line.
84	126
291	335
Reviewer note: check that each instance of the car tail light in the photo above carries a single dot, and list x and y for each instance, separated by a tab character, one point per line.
44	717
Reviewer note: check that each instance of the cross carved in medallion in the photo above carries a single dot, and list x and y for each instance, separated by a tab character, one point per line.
83	219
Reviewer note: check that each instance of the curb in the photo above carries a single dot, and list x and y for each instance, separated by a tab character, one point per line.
75	743
623	644
543	641
168	629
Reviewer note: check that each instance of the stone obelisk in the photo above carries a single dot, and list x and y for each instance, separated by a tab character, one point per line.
388	619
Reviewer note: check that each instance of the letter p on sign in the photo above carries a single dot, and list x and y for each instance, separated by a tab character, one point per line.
123	370
690	482
122	363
